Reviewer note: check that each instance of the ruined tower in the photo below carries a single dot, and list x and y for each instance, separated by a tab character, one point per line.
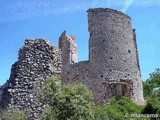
113	67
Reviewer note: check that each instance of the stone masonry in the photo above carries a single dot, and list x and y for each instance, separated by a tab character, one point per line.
38	59
112	68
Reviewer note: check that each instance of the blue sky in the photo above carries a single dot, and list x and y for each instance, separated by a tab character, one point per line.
21	19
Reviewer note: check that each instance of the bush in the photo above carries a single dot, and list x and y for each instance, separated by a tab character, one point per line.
116	109
73	102
65	102
14	115
152	107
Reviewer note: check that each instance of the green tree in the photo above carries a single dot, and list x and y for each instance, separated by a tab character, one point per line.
155	76
65	102
150	84
151	88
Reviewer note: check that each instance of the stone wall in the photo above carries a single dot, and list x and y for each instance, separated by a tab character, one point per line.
113	66
68	45
38	59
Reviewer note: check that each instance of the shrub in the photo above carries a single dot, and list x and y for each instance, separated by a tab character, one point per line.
65	102
14	115
152	107
116	109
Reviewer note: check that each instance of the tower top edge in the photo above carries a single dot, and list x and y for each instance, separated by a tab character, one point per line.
107	10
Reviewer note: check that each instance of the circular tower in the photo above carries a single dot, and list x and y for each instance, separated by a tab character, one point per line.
113	53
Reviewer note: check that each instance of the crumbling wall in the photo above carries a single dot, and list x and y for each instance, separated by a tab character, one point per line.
113	66
68	46
38	59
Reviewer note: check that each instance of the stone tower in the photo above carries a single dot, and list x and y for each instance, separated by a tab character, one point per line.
113	67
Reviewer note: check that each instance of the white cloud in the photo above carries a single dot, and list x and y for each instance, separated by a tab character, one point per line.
124	4
140	3
23	9
127	4
100	3
148	3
